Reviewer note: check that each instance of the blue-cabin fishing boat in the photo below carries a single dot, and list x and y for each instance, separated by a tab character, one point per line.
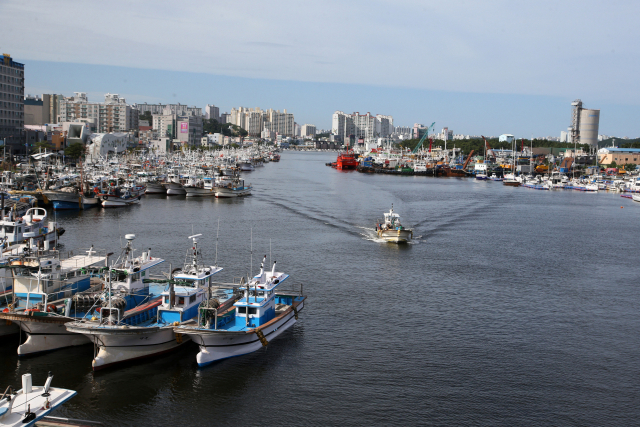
45	324
147	330
263	313
41	284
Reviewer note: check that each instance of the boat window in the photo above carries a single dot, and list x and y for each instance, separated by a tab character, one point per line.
242	310
252	310
192	299
260	294
8	229
180	300
166	300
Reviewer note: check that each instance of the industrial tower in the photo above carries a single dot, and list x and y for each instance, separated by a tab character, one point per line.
575	121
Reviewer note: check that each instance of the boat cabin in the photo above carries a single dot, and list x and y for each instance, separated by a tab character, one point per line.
258	306
181	301
128	272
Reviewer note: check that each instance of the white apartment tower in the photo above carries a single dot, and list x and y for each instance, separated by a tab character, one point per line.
255	120
308	130
365	126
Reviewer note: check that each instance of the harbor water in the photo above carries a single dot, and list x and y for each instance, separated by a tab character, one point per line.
510	307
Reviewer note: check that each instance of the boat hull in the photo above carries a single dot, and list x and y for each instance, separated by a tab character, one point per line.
44	333
117	345
155	188
174	189
59	205
117	202
199	192
396	236
223	192
217	345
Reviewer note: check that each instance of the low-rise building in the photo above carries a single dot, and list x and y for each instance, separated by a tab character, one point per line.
102	144
621	156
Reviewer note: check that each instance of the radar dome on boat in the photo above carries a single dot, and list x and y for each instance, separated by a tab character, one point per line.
129	236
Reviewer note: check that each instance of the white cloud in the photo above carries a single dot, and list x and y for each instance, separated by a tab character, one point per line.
569	48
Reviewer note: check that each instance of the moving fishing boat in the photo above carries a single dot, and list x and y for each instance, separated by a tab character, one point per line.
392	230
243	326
148	330
30	404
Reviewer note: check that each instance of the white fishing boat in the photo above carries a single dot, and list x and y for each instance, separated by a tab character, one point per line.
246	166
33	226
118	341
511	180
118	198
392	230
154	187
174	186
40	286
196	187
231	186
30	404
264	312
46	330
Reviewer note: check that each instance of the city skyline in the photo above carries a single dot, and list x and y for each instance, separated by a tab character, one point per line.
494	67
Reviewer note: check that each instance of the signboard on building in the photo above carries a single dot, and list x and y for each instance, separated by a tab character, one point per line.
184	127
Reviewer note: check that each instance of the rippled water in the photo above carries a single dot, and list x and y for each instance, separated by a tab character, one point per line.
512	306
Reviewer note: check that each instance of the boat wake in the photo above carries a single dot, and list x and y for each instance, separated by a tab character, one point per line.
371	235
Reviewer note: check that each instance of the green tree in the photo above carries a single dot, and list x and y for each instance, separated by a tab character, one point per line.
75	150
146	116
44	145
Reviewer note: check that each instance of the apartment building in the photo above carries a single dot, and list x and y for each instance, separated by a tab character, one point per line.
113	115
256	120
308	131
11	103
366	126
178	109
212	112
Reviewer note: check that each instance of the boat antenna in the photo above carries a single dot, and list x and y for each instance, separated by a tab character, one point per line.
269	250
251	261
217	235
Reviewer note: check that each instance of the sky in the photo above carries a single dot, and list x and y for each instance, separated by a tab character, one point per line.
478	67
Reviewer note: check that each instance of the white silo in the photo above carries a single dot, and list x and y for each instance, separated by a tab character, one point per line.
589	122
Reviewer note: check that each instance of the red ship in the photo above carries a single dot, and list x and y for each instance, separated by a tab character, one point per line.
346	160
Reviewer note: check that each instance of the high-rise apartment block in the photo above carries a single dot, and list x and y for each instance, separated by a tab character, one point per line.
255	120
113	115
11	102
308	130
212	112
179	109
365	126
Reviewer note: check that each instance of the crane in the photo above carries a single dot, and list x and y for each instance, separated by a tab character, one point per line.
424	137
489	151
